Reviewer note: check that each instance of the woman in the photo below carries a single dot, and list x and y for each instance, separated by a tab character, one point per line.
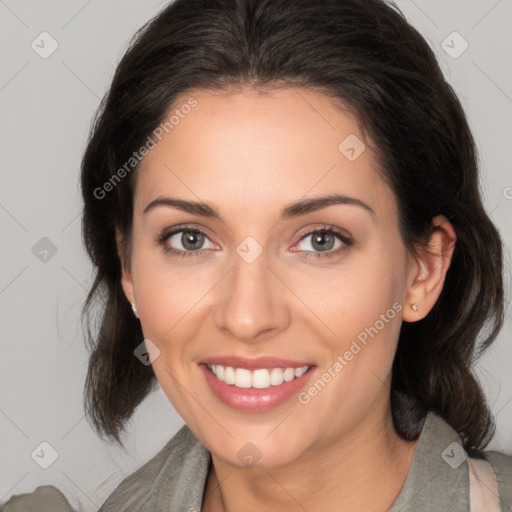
281	199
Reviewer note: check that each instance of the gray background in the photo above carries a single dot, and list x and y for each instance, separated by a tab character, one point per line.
46	109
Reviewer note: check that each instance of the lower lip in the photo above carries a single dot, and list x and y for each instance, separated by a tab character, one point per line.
252	399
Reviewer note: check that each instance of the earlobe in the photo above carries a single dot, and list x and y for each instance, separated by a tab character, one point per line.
429	274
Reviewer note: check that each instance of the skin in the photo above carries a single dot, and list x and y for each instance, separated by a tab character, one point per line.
251	154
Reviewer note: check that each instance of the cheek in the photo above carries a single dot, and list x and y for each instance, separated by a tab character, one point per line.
360	308
353	296
170	296
361	318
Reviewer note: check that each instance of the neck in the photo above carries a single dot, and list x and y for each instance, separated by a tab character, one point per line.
364	469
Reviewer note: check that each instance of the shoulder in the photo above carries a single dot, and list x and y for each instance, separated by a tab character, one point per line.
174	476
443	477
46	498
173	479
487	473
502	466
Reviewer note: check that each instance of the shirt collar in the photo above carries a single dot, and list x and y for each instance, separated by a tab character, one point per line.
438	477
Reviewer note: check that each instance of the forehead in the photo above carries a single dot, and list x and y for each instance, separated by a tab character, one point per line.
250	150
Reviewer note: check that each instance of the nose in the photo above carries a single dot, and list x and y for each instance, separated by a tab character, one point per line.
251	305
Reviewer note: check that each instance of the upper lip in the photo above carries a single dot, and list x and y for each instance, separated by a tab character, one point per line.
254	363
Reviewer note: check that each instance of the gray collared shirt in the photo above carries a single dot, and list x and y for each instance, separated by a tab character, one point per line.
174	480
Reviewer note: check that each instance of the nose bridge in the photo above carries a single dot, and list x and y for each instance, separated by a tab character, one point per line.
251	303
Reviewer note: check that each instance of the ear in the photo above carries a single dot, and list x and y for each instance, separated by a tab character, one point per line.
428	270
126	275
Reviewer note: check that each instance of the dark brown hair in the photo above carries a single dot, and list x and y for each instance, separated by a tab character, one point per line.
364	54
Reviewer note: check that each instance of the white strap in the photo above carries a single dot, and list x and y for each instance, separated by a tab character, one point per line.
483	486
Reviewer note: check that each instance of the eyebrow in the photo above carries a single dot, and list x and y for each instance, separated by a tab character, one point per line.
292	210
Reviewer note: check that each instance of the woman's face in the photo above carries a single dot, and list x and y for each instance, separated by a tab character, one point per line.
250	289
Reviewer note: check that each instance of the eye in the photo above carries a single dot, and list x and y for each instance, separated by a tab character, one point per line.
185	242
323	242
189	242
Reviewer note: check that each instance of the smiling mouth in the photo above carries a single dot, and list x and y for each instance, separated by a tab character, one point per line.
262	378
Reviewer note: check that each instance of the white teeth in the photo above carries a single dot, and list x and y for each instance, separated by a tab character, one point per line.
242	378
276	376
289	374
299	372
259	379
229	375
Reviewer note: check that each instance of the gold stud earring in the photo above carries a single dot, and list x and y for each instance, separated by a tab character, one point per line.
414	307
135	310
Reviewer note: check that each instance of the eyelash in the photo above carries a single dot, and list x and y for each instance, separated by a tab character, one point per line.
326	229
